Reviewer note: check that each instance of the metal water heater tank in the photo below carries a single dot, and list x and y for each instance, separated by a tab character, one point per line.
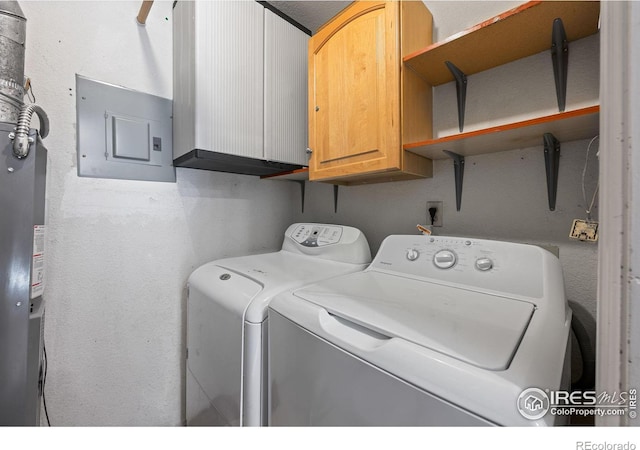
13	32
23	164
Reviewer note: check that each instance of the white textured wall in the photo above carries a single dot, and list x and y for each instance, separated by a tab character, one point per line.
504	194
119	252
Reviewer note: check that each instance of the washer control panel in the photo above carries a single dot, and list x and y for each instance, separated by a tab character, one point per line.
312	235
500	266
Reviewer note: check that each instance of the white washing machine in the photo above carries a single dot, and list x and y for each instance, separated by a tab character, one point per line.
227	311
437	331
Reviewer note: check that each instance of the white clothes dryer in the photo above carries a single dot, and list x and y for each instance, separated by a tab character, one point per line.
227	311
437	331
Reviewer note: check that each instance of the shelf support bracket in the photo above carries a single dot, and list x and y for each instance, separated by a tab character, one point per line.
461	91
551	162
560	58
335	198
302	186
458	170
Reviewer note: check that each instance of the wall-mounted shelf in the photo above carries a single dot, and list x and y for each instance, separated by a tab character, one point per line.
567	126
520	32
290	175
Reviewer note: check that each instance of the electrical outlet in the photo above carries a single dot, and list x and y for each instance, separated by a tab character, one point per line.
437	220
584	230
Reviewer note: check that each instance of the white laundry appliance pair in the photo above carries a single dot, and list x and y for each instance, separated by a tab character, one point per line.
227	317
436	331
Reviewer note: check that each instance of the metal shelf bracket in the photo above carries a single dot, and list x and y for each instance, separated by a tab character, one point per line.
560	58
458	170
302	186
551	162
461	91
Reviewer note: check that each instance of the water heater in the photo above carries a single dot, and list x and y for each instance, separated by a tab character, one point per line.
23	162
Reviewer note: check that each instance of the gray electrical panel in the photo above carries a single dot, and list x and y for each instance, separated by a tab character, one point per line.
122	133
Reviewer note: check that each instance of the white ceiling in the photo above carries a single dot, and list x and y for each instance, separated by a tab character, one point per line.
310	13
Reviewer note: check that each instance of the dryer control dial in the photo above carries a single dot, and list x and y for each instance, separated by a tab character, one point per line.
445	259
412	254
484	264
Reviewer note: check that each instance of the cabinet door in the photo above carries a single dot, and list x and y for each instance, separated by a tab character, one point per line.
354	90
229	97
285	91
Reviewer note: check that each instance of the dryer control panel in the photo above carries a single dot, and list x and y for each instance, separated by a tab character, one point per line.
313	235
505	267
338	243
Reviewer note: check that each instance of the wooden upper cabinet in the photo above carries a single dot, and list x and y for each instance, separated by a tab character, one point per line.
357	92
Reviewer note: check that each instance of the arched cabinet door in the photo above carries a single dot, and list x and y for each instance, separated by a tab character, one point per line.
356	87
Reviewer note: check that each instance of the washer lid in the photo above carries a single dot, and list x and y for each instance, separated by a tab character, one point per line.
481	329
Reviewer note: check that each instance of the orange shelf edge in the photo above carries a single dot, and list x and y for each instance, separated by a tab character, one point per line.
570	125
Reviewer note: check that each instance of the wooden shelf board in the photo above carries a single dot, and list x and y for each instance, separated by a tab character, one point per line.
291	175
520	32
567	126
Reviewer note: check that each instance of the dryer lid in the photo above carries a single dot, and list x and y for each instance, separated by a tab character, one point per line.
480	329
262	276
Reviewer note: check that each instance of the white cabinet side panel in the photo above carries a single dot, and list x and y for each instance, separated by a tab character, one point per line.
285	84
184	88
230	97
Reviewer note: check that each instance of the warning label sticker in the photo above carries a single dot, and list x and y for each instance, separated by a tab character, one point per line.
37	261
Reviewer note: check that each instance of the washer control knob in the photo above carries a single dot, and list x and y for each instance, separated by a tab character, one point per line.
445	259
412	254
484	264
